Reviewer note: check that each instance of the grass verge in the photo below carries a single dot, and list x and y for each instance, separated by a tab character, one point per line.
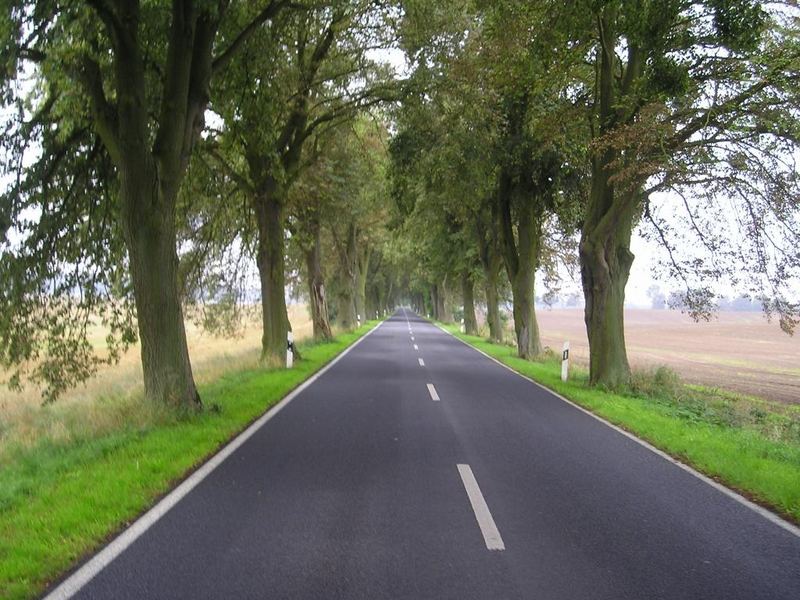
59	503
750	445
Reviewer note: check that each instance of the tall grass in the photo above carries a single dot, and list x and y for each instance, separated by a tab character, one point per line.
113	400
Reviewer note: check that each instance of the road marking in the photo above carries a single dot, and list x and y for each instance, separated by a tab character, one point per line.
75	582
416	347
412	338
760	510
432	392
491	535
421	362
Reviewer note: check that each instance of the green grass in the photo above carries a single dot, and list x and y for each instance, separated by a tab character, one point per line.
751	445
59	502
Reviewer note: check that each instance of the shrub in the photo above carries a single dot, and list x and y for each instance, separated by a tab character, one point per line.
660	383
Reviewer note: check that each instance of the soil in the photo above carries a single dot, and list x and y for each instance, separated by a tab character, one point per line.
737	351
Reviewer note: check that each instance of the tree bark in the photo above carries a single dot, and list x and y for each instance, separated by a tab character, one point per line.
361	264
441	301
491	261
606	262
526	326
522	259
346	301
270	260
316	287
468	293
149	228
493	309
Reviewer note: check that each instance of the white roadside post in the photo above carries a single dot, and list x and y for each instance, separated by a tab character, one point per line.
565	362
289	349
358	320
463	327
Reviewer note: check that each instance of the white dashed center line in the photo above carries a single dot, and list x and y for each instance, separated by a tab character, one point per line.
491	535
432	392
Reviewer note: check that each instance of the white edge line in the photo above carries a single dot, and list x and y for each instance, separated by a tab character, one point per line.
764	512
491	535
75	582
432	392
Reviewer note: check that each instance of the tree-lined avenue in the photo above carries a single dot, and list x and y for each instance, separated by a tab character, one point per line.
359	488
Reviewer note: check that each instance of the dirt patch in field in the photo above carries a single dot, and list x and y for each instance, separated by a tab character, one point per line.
735	351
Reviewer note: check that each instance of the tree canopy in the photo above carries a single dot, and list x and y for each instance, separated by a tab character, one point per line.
194	159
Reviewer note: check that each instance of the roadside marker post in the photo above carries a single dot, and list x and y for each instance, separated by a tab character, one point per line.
463	327
565	362
358	320
289	349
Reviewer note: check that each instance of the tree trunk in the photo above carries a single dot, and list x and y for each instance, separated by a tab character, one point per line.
606	262
522	285
526	327
316	288
149	227
522	259
491	261
468	292
346	307
445	313
374	302
493	311
270	259
491	270
360	293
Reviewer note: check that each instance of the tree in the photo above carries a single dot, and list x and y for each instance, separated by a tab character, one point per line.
120	95
360	212
510	78
688	96
317	76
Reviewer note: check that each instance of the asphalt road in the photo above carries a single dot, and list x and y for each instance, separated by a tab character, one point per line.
358	488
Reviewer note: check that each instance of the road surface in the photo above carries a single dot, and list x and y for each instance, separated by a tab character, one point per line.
417	468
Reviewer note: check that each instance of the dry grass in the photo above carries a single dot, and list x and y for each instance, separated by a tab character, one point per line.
113	398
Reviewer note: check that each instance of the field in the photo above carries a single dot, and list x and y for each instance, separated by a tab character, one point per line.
112	398
736	351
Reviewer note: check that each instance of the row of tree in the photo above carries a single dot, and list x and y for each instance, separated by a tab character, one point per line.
155	151
545	132
159	156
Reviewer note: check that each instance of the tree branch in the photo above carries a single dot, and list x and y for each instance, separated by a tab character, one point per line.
269	12
103	112
240	179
